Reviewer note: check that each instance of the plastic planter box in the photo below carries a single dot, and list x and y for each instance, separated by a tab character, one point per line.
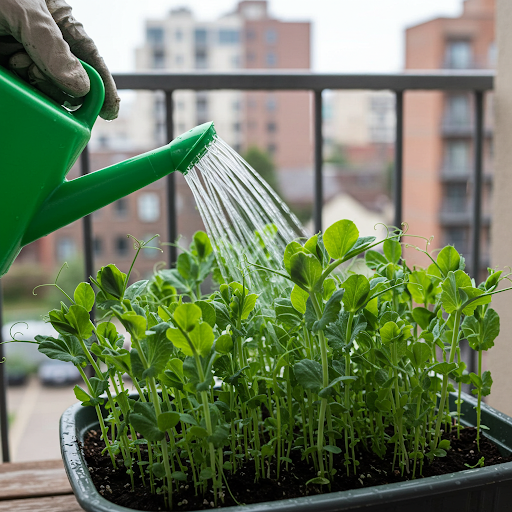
475	490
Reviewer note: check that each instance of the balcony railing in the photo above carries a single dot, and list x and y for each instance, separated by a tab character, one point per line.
475	82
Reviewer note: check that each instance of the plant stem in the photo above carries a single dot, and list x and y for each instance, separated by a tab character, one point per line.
444	391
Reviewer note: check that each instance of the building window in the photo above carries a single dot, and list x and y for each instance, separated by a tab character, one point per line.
458	55
229	36
458	110
155	35
66	249
271	60
201	36
455	198
121	208
236	62
158	59
250	34
271	148
148	207
201	106
201	58
236	127
179	59
149	253
458	237
178	35
271	127
270	36
457	157
271	104
236	106
97	246
121	246
251	57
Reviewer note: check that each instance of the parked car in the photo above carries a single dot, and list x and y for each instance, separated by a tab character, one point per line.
58	373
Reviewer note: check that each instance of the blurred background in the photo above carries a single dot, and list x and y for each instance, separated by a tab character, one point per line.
273	131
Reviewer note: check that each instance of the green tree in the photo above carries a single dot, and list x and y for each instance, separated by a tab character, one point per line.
262	162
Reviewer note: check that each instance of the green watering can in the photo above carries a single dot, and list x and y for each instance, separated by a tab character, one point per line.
39	143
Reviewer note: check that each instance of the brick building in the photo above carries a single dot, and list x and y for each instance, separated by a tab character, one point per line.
438	158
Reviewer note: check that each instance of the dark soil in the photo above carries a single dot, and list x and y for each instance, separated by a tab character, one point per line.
115	486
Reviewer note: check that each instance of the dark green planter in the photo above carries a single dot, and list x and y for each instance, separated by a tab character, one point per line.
475	490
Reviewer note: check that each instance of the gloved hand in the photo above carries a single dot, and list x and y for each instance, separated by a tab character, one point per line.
42	42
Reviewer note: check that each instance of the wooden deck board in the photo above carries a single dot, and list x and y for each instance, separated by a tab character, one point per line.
65	503
24	480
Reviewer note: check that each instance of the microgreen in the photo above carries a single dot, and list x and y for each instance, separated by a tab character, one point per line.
341	363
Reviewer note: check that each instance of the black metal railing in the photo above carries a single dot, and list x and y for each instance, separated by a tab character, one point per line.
475	82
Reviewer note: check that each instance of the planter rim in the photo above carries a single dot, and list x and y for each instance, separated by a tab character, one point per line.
92	501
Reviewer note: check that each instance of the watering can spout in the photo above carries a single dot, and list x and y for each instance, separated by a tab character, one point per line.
74	199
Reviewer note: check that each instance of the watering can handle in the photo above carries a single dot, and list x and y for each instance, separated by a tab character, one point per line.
93	101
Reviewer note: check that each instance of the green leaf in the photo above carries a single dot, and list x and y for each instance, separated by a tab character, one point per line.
206	474
134	324
249	303
64	348
144	421
78	317
220	436
299	298
202	244
187	316
201	338
224	344
374	259
486	383
305	270
159	348
286	313
340	238
318	480
136	290
332	449
420	354
331	311
444	368
448	260
179	476
482	333
450	296
390	332
357	289
291	249
392	250
158	469
84	296
475	297
111	281
168	420
208	312
422	316
309	374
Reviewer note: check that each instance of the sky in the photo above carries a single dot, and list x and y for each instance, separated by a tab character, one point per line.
348	36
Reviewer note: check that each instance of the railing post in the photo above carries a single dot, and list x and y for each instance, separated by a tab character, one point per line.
398	174
478	139
477	183
319	141
85	168
172	224
4	423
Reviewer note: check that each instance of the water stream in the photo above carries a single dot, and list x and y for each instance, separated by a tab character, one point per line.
245	219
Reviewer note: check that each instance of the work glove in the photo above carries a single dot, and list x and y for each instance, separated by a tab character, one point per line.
41	41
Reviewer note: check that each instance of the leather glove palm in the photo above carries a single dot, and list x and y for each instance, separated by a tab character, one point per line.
42	42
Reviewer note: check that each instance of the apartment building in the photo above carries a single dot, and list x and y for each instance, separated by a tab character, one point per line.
438	159
277	122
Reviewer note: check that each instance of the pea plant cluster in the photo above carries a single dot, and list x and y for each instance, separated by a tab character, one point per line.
341	363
